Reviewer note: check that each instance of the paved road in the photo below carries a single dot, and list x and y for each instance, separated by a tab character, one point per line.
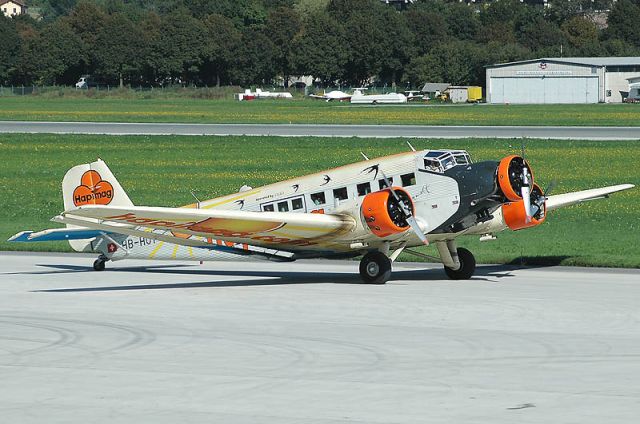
300	343
381	131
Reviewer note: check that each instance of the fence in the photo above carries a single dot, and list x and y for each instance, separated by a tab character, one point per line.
191	90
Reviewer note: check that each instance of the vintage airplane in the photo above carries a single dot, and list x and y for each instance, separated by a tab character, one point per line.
334	95
376	209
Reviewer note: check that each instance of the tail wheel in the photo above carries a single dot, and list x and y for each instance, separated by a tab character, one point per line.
467	266
99	264
375	268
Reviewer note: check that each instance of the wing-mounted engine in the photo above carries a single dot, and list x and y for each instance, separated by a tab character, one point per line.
515	215
383	213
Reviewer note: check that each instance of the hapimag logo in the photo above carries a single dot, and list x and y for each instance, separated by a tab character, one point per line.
93	190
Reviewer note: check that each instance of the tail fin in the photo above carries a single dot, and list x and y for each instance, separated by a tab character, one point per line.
91	184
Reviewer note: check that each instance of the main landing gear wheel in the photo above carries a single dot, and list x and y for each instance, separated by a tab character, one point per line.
467	266
99	264
375	268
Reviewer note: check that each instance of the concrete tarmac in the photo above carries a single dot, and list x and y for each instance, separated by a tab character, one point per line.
169	342
299	130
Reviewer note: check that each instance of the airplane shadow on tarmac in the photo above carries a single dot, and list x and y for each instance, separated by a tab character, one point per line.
489	273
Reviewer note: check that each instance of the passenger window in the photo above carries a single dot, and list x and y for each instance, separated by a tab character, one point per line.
408	179
296	204
283	207
268	208
364	189
383	184
340	193
318	198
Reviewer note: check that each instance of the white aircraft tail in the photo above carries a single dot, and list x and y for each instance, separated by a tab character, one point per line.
91	184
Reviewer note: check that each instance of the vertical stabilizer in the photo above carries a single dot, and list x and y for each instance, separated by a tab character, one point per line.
91	184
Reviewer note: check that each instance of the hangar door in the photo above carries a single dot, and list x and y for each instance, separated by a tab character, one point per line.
546	89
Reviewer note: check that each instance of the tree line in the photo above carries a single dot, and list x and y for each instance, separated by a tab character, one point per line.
349	42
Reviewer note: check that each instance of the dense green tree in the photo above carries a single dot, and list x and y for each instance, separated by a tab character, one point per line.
255	62
283	25
221	45
541	34
396	46
52	54
580	32
118	46
623	22
87	20
463	21
456	62
429	28
10	51
321	49
180	46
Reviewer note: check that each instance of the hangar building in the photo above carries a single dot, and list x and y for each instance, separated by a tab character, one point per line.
562	80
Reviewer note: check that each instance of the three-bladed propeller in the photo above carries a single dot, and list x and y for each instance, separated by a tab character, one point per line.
406	211
525	190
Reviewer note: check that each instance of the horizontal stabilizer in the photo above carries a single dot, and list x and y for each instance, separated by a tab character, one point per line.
568	199
57	234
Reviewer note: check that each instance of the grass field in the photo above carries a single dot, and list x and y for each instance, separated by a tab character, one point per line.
298	111
162	170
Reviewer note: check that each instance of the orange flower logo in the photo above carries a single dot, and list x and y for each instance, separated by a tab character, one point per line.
93	190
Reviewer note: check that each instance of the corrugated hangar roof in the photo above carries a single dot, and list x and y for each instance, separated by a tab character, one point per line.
590	61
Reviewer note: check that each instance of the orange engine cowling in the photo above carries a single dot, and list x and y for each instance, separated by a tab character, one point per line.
510	176
383	214
515	216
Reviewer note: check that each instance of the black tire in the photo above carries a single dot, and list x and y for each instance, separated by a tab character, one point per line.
375	268
98	265
467	266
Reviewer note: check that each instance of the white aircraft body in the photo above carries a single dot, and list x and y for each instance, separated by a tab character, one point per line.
260	94
373	99
376	209
334	95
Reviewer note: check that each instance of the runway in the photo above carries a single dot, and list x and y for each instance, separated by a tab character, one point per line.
306	343
299	130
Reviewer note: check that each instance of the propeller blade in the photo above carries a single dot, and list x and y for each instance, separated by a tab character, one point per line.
549	188
526	197
416	229
525	191
411	220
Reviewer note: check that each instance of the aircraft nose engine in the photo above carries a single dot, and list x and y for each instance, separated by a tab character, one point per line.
514	173
515	179
515	215
383	213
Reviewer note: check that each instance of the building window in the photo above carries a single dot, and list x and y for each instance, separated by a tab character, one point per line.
296	204
318	198
408	179
340	193
383	184
283	207
268	208
364	189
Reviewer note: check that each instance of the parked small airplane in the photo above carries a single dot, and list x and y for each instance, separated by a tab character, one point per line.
373	99
413	95
335	95
376	209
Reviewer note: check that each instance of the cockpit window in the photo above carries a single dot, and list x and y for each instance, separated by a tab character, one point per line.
461	159
440	161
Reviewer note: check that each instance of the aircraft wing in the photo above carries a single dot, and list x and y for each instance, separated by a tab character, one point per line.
283	230
568	199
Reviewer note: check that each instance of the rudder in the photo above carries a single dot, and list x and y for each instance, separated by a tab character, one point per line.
91	184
